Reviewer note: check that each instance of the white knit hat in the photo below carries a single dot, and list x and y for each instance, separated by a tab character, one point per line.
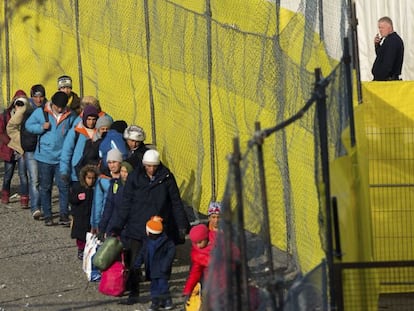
151	157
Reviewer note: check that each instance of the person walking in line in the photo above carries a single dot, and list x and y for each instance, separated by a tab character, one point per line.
80	198
200	258
113	201
213	213
28	141
114	140
134	136
157	253
19	104
75	142
150	191
389	50
112	172
65	85
52	125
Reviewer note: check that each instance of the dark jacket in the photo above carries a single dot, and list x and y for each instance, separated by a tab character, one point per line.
112	203
81	210
143	199
158	256
389	60
135	156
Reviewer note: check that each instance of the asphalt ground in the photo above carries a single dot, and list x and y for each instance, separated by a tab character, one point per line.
39	268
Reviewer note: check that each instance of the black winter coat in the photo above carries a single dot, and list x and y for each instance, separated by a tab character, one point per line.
80	211
143	199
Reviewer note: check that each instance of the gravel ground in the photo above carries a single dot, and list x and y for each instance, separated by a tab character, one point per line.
39	269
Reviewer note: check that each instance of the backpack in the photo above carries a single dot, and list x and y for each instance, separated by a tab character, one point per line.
6	153
28	140
90	155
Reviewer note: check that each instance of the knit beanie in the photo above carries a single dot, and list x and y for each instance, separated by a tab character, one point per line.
151	157
214	208
60	99
20	93
154	225
198	233
64	81
89	111
38	90
114	155
103	121
128	166
119	126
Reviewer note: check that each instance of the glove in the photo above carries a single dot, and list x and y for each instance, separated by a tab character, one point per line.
116	232
181	235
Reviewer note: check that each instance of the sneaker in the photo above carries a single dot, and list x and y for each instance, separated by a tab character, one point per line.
64	220
36	214
155	306
167	304
48	222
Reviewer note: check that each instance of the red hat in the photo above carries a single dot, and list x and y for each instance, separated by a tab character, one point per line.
19	93
198	233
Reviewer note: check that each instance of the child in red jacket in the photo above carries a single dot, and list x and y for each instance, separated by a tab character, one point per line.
200	257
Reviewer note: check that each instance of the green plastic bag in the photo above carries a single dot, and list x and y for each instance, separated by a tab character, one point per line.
107	253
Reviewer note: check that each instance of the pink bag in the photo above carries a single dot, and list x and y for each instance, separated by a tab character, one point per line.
113	279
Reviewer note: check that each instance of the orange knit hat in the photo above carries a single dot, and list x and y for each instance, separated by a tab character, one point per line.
154	225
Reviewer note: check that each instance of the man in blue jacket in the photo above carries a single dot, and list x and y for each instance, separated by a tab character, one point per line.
51	124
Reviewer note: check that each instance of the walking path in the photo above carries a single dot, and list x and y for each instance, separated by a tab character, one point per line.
39	269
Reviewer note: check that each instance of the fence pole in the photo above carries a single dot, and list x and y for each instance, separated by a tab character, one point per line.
266	226
210	107
354	23
78	49
150	90
349	97
7	47
320	90
245	300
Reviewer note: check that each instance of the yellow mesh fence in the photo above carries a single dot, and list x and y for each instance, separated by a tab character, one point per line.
193	84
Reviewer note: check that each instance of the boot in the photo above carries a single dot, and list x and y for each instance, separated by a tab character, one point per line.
24	201
5	196
133	280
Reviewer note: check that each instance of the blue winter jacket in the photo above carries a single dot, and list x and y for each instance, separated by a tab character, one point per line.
112	140
99	198
50	142
73	149
158	256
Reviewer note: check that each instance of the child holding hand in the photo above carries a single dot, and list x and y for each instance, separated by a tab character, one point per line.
158	253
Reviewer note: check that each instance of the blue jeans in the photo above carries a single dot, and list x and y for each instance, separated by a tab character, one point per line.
32	171
159	288
8	175
48	173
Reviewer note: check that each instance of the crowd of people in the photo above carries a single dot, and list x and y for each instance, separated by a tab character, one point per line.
110	183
